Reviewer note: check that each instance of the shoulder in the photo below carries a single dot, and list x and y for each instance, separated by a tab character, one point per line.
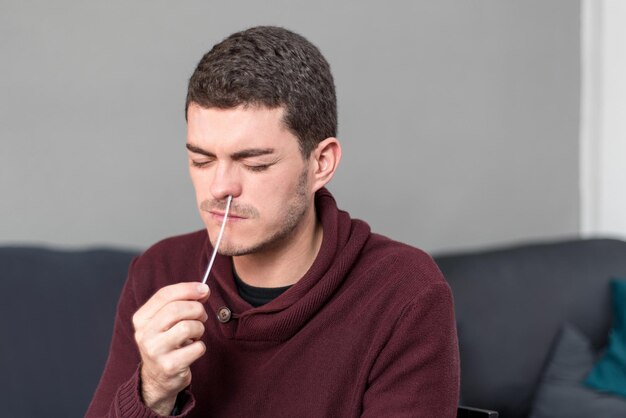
177	246
403	273
171	260
400	258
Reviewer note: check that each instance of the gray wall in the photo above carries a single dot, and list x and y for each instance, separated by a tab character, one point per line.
459	120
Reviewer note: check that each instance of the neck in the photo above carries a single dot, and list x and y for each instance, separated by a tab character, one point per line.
284	264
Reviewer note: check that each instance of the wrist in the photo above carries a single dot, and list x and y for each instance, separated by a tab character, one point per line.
155	398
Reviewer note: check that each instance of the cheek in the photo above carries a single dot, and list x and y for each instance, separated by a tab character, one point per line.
266	195
200	183
281	195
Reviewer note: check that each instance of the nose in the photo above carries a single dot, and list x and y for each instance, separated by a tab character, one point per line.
225	182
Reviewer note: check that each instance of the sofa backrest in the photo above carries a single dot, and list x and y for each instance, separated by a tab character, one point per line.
56	316
510	304
57	309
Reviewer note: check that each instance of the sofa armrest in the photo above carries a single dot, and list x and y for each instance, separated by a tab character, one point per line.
469	412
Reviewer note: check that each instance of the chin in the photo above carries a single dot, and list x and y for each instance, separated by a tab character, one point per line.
237	250
234	249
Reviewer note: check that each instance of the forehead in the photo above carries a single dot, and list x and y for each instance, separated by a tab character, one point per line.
239	126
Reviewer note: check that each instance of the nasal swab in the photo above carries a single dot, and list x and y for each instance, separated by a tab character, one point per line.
219	239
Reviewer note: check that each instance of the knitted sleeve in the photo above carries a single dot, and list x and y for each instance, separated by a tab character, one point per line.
118	393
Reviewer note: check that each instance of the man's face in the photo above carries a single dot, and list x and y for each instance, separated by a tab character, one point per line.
248	153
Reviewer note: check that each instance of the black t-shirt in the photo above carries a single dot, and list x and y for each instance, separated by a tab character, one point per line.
257	296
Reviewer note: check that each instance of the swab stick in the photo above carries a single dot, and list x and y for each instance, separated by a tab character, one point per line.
219	239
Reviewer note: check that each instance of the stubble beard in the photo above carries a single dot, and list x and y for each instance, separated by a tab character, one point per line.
293	217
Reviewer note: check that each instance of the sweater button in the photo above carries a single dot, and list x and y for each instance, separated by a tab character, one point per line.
224	314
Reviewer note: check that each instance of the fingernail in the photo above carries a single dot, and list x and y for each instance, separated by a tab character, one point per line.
203	288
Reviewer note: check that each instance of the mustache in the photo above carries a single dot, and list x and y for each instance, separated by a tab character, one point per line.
236	209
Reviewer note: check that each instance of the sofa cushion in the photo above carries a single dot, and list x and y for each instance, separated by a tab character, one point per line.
510	305
57	316
609	375
562	394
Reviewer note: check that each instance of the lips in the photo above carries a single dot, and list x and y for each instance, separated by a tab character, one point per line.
231	216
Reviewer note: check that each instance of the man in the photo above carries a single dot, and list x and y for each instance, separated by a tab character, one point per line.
308	314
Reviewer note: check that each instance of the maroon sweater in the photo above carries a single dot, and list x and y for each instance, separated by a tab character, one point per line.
368	331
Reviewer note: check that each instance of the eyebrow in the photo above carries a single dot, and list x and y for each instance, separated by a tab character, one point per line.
246	153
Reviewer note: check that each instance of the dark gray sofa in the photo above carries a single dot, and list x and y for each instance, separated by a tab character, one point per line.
511	304
56	317
57	307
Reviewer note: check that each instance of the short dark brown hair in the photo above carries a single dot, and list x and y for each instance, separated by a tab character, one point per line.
272	67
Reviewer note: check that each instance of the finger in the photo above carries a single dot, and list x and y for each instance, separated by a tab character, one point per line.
178	361
156	346
184	333
167	294
177	311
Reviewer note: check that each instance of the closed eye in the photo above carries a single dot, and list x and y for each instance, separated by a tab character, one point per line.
258	167
200	164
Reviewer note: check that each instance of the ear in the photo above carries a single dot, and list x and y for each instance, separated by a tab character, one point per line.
324	161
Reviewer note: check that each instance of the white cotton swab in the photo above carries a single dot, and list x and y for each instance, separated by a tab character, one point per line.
219	239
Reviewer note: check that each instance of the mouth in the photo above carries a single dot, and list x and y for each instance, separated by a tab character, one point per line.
219	216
